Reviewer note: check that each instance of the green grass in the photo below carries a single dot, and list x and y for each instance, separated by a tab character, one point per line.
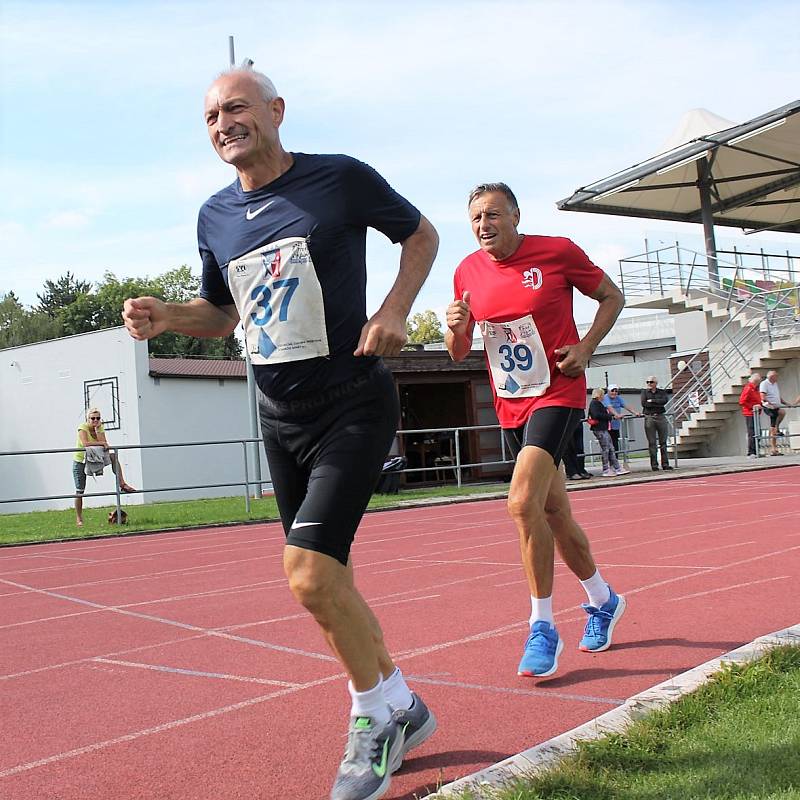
45	526
735	738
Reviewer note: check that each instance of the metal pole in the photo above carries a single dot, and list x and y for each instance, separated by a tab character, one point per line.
116	486
254	432
251	381
707	215
458	457
246	480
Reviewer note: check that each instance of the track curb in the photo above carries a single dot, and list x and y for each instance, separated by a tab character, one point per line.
547	754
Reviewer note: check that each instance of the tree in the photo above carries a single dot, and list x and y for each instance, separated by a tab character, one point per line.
424	328
19	326
61	293
68	306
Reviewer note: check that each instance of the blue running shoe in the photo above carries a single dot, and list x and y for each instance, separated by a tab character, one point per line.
601	622
542	649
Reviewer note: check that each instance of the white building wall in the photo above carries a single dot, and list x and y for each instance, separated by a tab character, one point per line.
691	330
42	403
194	410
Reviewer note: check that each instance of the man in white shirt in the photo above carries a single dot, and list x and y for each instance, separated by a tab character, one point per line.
774	407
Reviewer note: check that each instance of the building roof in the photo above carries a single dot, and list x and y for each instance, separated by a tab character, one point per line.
197	368
409	361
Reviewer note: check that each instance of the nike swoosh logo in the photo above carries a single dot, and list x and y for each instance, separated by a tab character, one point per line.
297	524
253	214
380	769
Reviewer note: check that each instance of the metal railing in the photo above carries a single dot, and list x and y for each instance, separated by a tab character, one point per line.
665	270
451	437
718	370
117	493
627	437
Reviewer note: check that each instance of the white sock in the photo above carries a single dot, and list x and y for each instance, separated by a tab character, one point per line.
597	590
542	610
371	703
396	691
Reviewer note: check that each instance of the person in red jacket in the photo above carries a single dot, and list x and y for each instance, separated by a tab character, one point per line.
750	401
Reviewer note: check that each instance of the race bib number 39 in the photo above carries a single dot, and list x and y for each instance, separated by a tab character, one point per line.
279	298
516	357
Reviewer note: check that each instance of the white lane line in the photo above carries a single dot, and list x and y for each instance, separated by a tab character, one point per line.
583	698
188	572
729	588
707	550
176	624
210	593
304	614
193	672
87	659
167	726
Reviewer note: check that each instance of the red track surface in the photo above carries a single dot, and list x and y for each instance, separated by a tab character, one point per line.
177	666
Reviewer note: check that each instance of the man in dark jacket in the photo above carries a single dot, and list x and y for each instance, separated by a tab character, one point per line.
656	429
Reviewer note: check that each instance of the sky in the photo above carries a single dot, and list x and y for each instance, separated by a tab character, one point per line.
105	160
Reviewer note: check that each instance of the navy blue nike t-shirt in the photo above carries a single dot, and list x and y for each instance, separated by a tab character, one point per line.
292	257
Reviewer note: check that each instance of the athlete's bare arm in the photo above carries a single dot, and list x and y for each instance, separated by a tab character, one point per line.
575	357
384	333
458	336
147	317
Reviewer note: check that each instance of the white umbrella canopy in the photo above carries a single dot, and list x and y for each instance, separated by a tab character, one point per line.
713	171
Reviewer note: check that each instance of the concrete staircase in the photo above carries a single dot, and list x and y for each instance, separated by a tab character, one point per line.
756	338
706	421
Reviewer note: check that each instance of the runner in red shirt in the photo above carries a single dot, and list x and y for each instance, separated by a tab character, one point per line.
518	290
750	400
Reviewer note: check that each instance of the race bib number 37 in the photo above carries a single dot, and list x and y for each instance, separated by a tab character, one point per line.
279	298
516	357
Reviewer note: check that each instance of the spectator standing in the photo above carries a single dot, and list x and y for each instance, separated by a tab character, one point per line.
774	407
654	401
575	457
750	402
616	405
92	434
600	423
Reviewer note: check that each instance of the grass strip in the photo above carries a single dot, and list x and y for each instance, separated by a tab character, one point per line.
737	737
45	526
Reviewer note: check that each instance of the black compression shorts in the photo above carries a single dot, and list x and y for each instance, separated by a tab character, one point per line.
325	456
549	428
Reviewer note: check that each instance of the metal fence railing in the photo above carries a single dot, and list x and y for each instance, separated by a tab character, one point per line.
246	483
737	275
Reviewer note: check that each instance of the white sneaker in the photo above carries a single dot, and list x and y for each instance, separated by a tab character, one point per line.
623	471
609	473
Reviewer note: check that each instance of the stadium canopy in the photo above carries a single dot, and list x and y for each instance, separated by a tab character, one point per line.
715	173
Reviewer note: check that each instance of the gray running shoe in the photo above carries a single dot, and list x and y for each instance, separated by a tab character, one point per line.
417	723
369	760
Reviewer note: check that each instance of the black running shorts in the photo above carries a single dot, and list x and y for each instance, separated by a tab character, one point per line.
549	428
325	456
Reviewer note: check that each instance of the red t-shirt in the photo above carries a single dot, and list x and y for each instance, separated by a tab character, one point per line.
537	280
749	397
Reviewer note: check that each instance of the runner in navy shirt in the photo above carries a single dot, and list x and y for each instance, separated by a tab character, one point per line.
283	250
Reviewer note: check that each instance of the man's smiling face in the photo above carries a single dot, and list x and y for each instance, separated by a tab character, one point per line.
494	223
242	125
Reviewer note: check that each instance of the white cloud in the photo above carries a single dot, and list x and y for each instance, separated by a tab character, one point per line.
68	220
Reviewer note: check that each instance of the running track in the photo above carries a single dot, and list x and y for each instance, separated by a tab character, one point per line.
177	666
